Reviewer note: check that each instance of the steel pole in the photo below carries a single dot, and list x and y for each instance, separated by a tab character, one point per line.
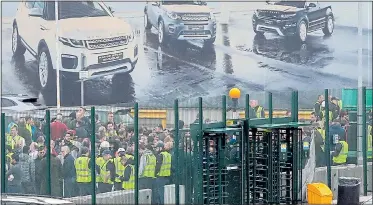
48	141
93	155
136	129
360	85
365	147
82	92
327	140
177	148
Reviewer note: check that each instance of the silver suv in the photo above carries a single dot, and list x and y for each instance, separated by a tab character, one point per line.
181	20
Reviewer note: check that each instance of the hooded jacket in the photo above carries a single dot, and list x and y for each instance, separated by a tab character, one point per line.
27	165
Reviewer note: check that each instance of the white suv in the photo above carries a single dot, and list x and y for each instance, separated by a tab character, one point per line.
91	41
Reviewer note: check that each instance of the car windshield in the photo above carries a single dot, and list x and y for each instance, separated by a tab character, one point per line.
167	2
78	9
298	4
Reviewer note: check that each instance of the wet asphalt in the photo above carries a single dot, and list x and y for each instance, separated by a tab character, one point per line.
186	70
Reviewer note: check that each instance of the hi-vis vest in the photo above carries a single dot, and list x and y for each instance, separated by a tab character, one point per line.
9	157
119	168
128	156
342	157
339	103
12	141
149	170
322	132
83	172
99	162
104	173
166	165
330	115
130	184
258	112
369	141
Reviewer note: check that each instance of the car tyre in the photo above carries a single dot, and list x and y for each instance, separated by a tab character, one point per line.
147	24
47	75
17	47
162	36
329	26
302	31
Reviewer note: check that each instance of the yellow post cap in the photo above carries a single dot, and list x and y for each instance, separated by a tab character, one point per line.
235	93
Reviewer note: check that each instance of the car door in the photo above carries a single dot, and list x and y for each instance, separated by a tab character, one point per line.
153	12
315	14
36	23
24	21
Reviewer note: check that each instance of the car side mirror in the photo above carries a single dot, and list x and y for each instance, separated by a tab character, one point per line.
36	12
111	9
311	5
155	4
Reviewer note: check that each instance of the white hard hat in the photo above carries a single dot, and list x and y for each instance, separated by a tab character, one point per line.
323	104
105	144
121	150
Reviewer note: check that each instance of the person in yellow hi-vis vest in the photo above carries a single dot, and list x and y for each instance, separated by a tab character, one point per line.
258	110
107	172
322	117
163	172
83	172
147	167
119	169
128	175
340	152
369	141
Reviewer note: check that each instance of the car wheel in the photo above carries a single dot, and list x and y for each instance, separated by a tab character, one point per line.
329	26
45	70
147	24
17	46
162	36
302	31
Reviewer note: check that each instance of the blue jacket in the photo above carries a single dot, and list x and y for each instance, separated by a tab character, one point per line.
336	129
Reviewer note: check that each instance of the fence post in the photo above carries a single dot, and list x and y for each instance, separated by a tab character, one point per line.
48	142
3	157
224	109
136	129
270	108
93	155
327	140
200	150
365	146
247	152
177	148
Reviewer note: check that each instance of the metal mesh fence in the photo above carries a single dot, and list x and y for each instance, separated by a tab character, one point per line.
157	150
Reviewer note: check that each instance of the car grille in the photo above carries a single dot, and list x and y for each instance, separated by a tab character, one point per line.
269	14
195	17
107	42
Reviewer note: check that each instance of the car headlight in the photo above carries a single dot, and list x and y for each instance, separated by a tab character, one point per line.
286	16
172	15
72	42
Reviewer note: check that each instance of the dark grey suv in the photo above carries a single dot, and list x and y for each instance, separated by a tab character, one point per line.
181	20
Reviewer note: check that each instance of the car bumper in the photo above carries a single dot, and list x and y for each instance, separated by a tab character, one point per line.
184	31
279	27
94	63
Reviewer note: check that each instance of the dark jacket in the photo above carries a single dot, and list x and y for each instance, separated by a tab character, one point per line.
16	171
336	129
56	177
68	167
27	167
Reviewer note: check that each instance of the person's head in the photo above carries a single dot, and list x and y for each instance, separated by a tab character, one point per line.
158	128
253	103
106	154
65	150
41	151
68	135
59	117
334	100
14	131
81	112
110	117
159	147
123	160
121	151
320	98
28	120
313	117
84	151
110	126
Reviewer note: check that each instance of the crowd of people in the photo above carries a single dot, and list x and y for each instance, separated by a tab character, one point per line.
115	148
71	156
